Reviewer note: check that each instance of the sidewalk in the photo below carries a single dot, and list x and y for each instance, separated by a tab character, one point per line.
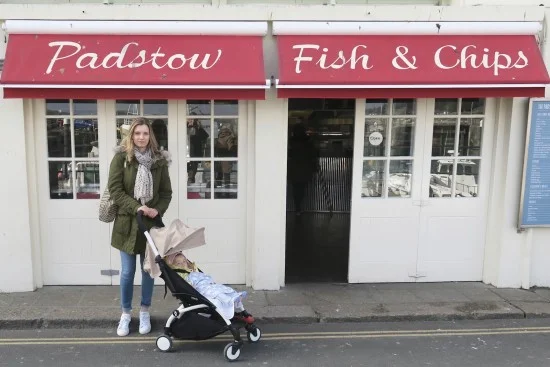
98	306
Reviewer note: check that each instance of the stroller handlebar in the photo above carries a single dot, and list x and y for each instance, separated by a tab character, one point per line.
142	228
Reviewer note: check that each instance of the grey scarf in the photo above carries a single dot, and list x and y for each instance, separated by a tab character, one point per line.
143	188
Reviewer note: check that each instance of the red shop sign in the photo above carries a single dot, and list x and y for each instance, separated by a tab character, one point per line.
144	60
410	60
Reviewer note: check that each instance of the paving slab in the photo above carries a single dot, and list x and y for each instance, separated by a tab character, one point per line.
534	309
518	294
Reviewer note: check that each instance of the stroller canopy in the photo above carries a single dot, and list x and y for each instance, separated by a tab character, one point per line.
171	239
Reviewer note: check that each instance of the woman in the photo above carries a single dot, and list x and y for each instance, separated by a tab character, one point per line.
138	180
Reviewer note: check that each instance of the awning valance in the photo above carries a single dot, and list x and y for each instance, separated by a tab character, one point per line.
410	66
147	66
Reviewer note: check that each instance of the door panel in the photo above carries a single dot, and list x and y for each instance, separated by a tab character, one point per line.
212	183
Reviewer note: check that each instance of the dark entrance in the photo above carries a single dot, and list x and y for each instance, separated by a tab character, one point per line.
319	172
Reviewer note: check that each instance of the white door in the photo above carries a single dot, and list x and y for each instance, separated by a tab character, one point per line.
75	244
386	190
212	183
419	196
456	178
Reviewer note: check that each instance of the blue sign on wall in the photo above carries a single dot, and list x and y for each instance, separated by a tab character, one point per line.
535	200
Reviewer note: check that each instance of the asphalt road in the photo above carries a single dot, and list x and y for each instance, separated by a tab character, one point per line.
461	344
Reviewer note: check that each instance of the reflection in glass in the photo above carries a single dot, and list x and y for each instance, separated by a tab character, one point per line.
373	178
225	137
446	106
473	106
86	138
443	137
198	138
226	108
225	184
160	130
130	108
61	182
376	107
467	177
155	107
85	107
400	179
87	180
57	107
59	137
469	143
202	108
441	178
199	182
404	107
375	137
402	137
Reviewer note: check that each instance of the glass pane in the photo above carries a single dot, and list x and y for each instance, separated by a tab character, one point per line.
59	137
226	108
376	107
400	180
199	108
85	107
446	106
471	131
443	137
225	184
127	108
225	135
198	137
402	137
87	180
86	138
473	106
122	129
199	182
375	137
467	177
155	108
160	130
57	107
61	183
373	178
404	107
440	178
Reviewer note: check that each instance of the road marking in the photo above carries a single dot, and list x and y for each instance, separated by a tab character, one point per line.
287	336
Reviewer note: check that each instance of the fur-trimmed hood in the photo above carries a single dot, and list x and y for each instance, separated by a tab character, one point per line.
164	154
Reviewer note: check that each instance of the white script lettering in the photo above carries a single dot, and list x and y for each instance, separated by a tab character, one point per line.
129	57
335	61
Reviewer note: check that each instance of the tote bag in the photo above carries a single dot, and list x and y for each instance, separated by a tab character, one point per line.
107	207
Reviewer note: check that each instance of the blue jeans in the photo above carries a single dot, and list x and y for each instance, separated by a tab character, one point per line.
127	273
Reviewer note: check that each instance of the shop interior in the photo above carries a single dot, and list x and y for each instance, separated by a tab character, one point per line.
319	173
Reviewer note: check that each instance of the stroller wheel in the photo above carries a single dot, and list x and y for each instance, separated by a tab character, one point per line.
164	343
254	335
229	354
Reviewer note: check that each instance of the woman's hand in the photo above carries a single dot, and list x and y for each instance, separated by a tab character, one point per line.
153	213
148	212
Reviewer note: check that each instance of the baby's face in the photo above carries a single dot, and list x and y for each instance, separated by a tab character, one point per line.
180	260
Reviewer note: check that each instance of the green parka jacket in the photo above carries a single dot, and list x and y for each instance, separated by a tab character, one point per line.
122	178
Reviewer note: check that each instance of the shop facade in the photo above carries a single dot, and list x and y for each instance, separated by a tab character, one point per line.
435	112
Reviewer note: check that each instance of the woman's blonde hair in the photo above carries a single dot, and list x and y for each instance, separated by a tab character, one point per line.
128	141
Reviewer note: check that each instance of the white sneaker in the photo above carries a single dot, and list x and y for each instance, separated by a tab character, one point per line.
124	325
144	322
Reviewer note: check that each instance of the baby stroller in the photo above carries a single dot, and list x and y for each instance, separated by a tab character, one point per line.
196	318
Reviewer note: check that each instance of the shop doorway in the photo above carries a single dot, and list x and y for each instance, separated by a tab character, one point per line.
319	178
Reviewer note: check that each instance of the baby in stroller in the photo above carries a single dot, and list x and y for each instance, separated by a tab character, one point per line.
227	300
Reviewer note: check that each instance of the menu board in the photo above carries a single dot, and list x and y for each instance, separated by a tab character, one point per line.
535	196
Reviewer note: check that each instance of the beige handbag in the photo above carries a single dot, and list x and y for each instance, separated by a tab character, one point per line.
107	207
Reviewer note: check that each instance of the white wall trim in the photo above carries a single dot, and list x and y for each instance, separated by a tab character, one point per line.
406	28
267	85
133	27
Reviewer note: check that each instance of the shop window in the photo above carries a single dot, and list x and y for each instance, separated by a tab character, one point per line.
156	111
456	147
388	148
212	149
73	149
